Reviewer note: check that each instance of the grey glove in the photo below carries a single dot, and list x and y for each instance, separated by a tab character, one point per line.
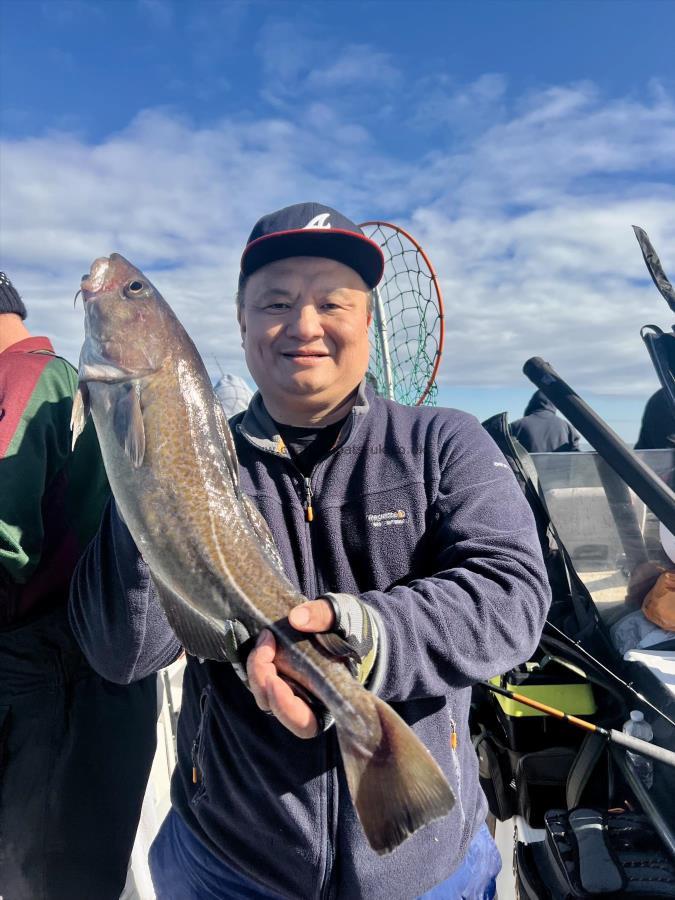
360	626
357	638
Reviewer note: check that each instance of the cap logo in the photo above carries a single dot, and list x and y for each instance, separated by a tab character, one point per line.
320	221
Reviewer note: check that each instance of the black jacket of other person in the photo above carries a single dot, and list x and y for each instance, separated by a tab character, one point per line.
541	431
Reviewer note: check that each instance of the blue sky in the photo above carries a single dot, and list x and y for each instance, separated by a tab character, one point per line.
517	141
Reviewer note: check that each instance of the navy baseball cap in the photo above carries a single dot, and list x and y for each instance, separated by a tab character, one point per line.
312	229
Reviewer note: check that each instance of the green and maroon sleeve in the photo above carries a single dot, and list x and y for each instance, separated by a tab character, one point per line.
52	497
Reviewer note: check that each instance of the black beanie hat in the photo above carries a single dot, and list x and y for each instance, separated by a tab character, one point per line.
10	302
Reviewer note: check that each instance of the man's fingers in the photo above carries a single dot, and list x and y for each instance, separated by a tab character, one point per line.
291	710
314	615
260	667
272	693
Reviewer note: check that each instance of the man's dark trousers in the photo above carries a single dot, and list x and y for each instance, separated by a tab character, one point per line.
75	755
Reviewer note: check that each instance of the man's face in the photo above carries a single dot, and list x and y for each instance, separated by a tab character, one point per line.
304	324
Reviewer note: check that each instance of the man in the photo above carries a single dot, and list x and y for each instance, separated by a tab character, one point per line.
408	528
75	751
657	430
541	431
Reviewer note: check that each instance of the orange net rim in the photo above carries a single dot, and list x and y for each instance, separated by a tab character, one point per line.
439	294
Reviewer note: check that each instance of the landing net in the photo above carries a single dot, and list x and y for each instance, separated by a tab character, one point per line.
408	328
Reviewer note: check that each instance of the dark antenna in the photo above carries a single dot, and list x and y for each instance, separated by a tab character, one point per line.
654	267
220	368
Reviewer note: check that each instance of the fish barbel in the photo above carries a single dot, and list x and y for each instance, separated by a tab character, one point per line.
172	467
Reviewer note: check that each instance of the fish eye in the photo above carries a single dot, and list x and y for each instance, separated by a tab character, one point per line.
135	287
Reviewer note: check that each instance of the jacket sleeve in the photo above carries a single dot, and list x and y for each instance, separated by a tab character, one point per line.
114	609
36	456
573	442
483	609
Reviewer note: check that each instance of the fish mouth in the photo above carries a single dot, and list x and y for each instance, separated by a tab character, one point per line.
96	279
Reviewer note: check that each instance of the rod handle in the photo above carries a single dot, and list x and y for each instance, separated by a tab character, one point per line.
637	745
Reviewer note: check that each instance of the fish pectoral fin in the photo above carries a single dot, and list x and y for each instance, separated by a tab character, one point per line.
395	783
78	416
128	425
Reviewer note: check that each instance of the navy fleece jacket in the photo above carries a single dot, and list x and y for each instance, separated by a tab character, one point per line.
416	512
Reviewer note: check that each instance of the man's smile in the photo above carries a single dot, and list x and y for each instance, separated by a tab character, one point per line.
305	357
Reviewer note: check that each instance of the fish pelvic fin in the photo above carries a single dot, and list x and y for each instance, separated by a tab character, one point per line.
199	634
78	416
397	787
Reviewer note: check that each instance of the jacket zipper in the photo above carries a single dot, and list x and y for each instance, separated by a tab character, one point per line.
196	744
309	510
325	891
326	888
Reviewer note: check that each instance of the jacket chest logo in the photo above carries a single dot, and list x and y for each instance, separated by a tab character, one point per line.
384	519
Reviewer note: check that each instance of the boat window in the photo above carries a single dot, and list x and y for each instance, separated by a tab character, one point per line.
612	538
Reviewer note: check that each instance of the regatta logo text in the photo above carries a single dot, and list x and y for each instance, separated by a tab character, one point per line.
377	449
378	520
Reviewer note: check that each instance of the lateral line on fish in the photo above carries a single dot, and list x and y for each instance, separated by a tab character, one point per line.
221	457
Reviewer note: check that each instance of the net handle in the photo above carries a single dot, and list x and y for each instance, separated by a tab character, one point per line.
437	287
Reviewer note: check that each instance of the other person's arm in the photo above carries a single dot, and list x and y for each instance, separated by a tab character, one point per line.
114	609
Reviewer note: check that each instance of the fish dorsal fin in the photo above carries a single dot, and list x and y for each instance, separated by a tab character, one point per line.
78	417
255	519
230	451
128	424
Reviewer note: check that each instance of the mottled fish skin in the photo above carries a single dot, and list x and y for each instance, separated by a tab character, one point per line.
173	470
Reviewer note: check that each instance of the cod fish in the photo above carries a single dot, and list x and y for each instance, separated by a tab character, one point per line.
172	467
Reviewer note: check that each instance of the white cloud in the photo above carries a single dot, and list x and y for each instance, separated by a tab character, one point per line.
526	217
355	66
300	62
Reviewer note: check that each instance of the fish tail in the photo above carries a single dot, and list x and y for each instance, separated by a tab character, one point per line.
396	785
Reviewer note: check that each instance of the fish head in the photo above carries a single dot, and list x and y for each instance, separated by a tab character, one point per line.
128	324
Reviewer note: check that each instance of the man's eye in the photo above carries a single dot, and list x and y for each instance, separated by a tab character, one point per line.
277	306
329	305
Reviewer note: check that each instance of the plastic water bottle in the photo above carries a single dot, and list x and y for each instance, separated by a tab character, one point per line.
638	727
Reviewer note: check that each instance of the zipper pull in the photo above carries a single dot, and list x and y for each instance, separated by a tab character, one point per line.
195	771
309	511
453	735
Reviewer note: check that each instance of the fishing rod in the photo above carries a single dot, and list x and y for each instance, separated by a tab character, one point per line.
571	645
635	745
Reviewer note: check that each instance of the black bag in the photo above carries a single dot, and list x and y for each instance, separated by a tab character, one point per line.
593	853
541	782
495	775
528	784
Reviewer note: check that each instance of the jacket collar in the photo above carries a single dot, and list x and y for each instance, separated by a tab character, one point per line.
31	345
260	429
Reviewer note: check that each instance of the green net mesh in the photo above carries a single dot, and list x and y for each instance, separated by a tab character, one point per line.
407	333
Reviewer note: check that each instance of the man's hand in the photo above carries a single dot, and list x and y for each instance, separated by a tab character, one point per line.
271	692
